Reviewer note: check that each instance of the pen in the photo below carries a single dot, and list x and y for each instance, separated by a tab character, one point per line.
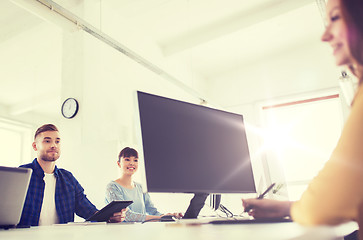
247	209
265	192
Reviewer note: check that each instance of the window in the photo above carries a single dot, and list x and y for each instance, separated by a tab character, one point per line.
299	137
15	143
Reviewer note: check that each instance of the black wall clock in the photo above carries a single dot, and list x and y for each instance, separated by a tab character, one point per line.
70	108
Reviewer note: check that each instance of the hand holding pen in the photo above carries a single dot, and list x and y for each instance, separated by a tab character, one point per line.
261	196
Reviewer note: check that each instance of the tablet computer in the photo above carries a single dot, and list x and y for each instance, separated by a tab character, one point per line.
105	213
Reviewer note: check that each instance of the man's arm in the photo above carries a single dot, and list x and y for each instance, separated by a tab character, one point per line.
85	209
83	206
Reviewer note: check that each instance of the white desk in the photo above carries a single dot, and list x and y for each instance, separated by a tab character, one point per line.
178	231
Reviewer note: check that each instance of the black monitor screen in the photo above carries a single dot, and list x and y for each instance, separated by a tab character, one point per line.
189	148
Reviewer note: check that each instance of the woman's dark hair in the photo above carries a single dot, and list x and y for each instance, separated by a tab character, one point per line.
128	152
352	12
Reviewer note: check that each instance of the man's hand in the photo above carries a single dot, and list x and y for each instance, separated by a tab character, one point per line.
267	208
118	216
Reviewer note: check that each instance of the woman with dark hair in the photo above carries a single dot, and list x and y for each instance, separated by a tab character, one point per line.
123	188
333	197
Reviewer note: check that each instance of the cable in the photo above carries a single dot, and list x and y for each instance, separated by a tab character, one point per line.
225	210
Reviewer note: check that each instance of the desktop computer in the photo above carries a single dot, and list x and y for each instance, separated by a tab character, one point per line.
189	148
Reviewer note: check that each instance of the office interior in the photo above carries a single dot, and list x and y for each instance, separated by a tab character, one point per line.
262	59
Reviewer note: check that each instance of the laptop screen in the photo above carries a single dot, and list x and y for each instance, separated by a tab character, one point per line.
14	184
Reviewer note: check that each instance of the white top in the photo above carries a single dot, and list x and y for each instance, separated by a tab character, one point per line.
48	214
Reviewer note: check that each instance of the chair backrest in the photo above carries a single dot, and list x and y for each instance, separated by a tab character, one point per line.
360	221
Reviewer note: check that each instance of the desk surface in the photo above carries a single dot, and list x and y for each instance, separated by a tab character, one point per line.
176	231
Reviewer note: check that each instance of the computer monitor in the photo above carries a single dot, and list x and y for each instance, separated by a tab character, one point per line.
189	148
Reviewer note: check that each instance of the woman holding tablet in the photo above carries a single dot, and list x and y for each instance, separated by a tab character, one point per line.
142	209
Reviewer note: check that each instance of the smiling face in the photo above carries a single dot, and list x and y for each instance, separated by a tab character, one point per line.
336	34
128	165
47	145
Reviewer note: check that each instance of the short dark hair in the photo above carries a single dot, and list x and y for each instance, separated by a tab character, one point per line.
45	128
128	152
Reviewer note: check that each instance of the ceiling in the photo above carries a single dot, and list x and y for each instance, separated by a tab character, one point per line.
214	36
236	31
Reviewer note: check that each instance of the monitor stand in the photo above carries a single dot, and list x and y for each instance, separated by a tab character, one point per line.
196	204
215	201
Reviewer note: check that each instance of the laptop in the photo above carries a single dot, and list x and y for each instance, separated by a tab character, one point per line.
14	184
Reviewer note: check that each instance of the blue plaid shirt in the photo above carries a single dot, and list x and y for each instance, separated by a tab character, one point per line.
69	197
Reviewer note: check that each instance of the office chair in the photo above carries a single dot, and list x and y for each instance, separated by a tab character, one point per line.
358	234
360	221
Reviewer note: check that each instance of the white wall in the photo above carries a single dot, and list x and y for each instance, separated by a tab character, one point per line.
308	67
35	70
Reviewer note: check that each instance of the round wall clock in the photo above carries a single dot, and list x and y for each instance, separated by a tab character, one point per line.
70	108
